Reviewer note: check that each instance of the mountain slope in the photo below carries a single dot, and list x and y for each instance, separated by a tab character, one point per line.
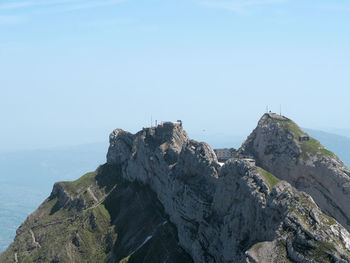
98	218
337	143
161	194
307	165
27	177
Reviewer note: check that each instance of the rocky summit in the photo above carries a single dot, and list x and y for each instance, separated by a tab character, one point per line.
282	148
162	197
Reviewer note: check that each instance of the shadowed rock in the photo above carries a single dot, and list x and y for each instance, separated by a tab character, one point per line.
162	197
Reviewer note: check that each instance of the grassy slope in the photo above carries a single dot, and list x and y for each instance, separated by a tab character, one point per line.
321	251
340	145
27	178
269	178
112	228
311	147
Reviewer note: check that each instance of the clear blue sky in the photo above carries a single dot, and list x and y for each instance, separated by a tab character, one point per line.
73	70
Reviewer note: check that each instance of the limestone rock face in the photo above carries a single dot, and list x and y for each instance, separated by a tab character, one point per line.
307	165
163	197
236	213
122	141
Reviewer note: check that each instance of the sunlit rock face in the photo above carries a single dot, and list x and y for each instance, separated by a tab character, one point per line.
277	145
236	213
162	197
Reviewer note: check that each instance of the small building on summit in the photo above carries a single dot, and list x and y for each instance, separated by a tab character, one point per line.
249	158
225	153
304	138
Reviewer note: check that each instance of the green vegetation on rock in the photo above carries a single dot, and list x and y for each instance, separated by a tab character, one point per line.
81	183
292	127
107	218
323	251
269	178
314	147
310	147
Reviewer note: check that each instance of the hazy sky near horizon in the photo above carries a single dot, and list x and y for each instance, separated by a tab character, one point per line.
71	70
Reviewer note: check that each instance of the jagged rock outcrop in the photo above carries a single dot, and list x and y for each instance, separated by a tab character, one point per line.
222	213
162	197
307	165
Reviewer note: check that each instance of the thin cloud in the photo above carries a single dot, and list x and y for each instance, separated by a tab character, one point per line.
240	6
22	11
89	5
27	4
59	5
11	20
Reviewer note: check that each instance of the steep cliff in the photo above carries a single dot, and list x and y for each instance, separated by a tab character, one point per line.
98	218
277	145
220	214
163	197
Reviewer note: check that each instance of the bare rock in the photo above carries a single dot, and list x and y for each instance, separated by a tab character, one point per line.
236	213
307	165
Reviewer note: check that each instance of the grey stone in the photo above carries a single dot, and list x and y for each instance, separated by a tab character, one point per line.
227	214
276	148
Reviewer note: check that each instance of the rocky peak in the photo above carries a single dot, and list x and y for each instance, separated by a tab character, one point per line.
236	213
120	146
198	159
239	212
282	148
168	137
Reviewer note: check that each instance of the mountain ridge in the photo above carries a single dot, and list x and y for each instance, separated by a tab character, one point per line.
235	213
307	165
